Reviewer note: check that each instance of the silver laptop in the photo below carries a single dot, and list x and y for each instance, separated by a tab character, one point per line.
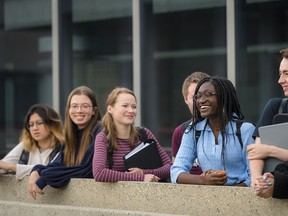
276	135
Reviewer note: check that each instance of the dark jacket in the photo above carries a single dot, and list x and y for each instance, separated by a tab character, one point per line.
57	175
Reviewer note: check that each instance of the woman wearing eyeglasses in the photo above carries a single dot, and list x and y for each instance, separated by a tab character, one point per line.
220	153
82	124
40	142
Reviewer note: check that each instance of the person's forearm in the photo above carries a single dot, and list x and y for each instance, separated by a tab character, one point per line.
279	153
12	167
8	166
256	169
186	178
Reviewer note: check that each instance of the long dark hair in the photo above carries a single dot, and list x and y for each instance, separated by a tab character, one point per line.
228	110
228	103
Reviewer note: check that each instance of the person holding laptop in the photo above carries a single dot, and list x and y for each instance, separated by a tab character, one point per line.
258	151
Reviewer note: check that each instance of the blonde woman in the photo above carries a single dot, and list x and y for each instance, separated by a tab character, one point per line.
119	137
40	142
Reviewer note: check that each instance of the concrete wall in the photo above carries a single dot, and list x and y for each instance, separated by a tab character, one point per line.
87	197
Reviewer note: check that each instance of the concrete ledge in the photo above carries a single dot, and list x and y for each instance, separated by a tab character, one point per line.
27	209
135	198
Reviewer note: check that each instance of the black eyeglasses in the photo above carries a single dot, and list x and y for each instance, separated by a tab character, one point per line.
204	96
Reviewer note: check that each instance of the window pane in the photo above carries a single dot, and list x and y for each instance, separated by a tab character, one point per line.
25	64
263	33
188	36
102	48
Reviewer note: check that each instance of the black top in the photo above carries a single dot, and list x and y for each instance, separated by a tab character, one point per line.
270	110
280	181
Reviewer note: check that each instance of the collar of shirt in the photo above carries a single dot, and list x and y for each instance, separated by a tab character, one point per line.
230	127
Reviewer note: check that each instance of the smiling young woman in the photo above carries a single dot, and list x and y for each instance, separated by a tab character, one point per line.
215	115
119	137
82	124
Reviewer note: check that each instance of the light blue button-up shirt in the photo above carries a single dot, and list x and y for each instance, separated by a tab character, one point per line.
230	156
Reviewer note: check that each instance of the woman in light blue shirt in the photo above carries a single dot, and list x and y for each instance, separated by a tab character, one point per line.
212	138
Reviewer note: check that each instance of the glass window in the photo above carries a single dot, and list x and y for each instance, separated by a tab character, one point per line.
187	36
177	38
262	34
25	65
102	45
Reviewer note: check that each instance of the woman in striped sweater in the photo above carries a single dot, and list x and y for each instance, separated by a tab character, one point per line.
119	137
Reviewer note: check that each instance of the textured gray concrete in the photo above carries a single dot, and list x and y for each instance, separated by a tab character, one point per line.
136	198
27	209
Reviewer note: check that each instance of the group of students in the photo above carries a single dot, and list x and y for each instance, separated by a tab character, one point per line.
216	146
228	149
53	153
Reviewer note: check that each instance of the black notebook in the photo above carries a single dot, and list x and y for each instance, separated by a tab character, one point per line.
144	156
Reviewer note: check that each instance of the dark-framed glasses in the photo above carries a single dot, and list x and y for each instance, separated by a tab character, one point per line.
204	96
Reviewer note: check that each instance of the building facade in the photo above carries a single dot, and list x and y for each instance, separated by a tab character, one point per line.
47	48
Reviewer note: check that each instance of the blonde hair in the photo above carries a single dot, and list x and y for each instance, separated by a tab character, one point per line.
52	122
71	128
109	126
195	77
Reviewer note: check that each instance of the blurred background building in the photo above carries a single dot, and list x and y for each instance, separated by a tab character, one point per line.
48	47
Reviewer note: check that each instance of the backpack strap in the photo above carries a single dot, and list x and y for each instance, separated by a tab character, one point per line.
238	131
54	153
185	125
142	133
24	157
142	137
282	105
197	135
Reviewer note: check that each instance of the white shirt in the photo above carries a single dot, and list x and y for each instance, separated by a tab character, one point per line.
35	157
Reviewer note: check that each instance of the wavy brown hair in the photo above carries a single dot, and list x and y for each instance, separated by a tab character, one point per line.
108	122
52	122
71	128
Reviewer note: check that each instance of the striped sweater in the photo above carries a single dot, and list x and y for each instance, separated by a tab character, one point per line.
101	171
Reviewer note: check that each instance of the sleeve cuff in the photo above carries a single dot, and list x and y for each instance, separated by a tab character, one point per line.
41	183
